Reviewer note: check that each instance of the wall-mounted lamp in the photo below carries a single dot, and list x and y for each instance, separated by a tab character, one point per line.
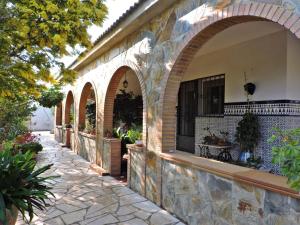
125	82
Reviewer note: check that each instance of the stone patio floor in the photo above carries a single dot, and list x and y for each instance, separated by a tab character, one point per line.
84	197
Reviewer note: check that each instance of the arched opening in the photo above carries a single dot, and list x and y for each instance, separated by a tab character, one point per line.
86	139
69	110
87	110
205	95
124	115
58	115
69	121
58	123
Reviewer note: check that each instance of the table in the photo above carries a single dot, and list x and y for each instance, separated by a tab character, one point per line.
224	155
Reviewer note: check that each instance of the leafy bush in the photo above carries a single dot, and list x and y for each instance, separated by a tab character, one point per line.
51	97
23	188
91	114
13	114
247	132
134	135
286	154
34	147
128	108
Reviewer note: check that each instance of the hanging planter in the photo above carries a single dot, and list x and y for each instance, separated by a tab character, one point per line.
250	88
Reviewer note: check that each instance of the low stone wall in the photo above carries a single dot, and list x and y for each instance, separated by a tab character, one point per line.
198	197
58	134
136	168
87	146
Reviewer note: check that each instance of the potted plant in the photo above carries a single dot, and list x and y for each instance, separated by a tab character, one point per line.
24	189
247	135
139	141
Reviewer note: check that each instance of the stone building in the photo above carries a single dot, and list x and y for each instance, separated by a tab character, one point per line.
189	59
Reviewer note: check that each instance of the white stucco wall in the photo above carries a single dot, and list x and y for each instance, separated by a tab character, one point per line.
293	67
42	120
263	58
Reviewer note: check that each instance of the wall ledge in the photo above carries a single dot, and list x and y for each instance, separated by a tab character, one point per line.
236	173
111	139
134	147
90	136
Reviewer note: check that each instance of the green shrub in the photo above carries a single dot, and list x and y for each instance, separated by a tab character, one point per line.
34	147
286	154
51	97
248	132
23	188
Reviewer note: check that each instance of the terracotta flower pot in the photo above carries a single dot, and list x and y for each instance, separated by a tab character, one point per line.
12	215
139	143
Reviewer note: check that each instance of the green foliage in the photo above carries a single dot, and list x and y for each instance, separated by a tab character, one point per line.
23	188
286	154
34	147
91	113
13	114
248	132
127	136
128	109
51	97
35	34
134	135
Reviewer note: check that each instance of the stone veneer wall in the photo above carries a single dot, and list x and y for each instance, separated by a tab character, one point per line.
152	50
136	169
201	198
87	147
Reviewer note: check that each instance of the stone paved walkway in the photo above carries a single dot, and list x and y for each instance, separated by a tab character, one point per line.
84	197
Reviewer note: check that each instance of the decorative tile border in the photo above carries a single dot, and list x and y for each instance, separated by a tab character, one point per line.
264	108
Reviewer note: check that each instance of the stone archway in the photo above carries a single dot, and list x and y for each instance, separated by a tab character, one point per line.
68	104
86	92
114	162
69	111
108	106
201	32
58	115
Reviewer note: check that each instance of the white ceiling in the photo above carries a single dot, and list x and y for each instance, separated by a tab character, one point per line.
237	34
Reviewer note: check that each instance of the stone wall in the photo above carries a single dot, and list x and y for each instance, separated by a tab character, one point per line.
136	169
87	147
158	52
198	197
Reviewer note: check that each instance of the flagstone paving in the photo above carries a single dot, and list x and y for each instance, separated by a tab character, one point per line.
85	198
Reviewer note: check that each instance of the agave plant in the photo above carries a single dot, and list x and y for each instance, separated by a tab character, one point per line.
21	186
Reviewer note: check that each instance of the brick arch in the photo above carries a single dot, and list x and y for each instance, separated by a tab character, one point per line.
86	91
200	33
58	115
68	103
111	91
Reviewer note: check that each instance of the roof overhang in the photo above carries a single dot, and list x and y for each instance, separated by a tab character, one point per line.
133	21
